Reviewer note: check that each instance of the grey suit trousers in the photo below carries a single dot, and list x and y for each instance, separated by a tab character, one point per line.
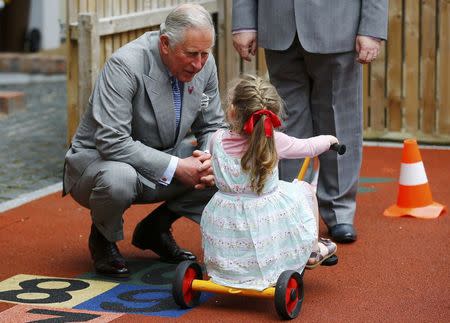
323	95
109	188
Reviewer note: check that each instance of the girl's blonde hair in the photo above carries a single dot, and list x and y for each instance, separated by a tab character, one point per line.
250	94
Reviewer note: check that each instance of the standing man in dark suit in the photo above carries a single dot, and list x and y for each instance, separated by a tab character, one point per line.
133	144
313	52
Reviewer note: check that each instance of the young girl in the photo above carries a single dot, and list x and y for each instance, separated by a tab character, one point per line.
256	226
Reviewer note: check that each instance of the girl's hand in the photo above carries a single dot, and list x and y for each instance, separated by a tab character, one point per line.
332	140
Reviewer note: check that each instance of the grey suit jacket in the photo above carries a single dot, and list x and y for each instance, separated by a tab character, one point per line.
323	26
130	117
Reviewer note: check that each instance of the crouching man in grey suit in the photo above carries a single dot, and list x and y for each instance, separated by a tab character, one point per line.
133	145
313	49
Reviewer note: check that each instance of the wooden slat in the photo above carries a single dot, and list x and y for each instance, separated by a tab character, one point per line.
100	8
83	6
377	93
149	4
411	66
108	45
261	65
249	67
101	14
232	60
394	67
131	6
428	65
124	11
72	11
443	67
107	41
108	8
221	45
366	98
92	6
116	35
139	5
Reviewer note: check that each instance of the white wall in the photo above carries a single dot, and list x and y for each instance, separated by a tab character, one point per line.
46	15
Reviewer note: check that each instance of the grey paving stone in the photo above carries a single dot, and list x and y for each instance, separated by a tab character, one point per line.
33	141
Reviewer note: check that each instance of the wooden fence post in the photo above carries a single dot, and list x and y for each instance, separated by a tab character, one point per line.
88	53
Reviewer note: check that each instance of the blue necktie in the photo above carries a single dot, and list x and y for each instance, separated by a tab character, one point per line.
176	100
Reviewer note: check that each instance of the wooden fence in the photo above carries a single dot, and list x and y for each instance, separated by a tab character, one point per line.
406	90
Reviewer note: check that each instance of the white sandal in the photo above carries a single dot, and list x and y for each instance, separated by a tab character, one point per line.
316	258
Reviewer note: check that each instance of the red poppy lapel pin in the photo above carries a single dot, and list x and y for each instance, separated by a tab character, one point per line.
190	89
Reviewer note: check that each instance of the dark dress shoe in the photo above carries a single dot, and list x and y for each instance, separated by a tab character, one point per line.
161	243
106	256
154	233
343	233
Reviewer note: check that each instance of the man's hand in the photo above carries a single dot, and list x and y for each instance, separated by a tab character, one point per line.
187	171
367	48
205	170
195	170
245	44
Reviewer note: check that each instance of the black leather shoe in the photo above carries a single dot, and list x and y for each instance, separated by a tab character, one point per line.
343	233
106	256
154	233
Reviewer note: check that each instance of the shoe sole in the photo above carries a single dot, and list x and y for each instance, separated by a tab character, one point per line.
320	262
345	240
333	260
127	275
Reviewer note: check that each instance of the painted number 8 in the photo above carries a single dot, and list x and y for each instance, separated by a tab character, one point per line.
31	293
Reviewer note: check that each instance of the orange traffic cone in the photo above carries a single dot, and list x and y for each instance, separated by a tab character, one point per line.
414	195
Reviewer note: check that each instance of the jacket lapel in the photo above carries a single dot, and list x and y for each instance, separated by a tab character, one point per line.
159	90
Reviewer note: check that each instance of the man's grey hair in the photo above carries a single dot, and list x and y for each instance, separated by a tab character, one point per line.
184	17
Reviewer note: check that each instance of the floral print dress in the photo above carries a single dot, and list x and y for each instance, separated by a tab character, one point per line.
249	239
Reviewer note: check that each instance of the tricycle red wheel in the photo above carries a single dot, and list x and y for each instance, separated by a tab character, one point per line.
182	291
289	294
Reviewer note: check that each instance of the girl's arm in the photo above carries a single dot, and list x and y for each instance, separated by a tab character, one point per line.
292	148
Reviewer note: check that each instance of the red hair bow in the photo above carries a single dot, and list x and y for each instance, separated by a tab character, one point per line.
272	121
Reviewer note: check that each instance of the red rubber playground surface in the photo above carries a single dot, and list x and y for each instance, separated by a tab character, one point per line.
397	271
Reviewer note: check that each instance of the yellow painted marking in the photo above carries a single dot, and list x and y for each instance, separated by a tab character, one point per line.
44	290
53	285
30	296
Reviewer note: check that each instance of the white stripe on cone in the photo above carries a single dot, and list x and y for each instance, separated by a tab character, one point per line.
412	174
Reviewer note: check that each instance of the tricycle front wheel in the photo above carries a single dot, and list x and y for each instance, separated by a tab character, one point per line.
182	291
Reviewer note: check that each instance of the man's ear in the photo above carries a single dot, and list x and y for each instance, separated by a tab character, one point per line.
164	43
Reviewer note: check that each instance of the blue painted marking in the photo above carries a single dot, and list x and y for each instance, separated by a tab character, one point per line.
143	272
132	299
372	180
363	189
376	179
